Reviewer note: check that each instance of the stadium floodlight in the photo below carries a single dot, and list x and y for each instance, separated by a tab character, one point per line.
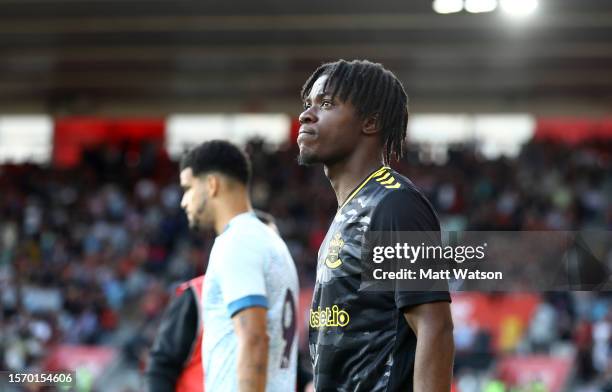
518	8
447	6
478	6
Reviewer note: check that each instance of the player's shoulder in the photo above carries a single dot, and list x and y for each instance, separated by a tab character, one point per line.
392	186
243	225
249	233
400	198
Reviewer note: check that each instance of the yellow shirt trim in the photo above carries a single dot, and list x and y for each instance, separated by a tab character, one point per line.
373	175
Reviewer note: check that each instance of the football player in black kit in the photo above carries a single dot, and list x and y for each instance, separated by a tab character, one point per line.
354	120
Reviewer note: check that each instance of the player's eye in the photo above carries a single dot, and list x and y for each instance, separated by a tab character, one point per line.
306	105
326	104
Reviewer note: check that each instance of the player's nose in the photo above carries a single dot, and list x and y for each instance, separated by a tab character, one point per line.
307	116
184	202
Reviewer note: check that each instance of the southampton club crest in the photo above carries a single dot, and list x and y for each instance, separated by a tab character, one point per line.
333	251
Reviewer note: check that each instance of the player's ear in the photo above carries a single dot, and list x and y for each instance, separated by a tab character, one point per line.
212	185
370	124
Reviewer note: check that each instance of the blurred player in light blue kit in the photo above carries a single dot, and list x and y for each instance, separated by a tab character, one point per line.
251	286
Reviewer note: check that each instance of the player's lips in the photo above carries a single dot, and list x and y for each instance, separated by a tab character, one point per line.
306	133
307	130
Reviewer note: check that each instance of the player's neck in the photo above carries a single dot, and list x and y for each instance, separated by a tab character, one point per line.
228	210
346	175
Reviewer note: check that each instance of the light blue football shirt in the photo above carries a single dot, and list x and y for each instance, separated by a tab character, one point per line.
249	265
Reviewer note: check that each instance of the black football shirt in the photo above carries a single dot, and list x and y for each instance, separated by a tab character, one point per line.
360	340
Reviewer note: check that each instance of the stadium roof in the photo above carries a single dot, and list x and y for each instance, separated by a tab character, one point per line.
115	56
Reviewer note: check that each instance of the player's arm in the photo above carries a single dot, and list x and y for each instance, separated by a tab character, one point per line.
433	326
242	281
253	342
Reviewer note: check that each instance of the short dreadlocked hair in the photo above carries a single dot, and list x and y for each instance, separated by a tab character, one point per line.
372	90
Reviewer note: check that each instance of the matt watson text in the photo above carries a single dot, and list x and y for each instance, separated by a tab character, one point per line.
445	274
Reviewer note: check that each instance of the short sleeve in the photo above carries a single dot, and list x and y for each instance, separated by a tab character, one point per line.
408	210
241	278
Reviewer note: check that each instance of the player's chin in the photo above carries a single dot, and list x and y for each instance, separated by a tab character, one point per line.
194	224
307	157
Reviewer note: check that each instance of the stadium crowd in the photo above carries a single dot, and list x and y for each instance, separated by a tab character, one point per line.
89	255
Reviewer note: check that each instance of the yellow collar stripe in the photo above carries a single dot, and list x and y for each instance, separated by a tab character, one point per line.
382	178
375	174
